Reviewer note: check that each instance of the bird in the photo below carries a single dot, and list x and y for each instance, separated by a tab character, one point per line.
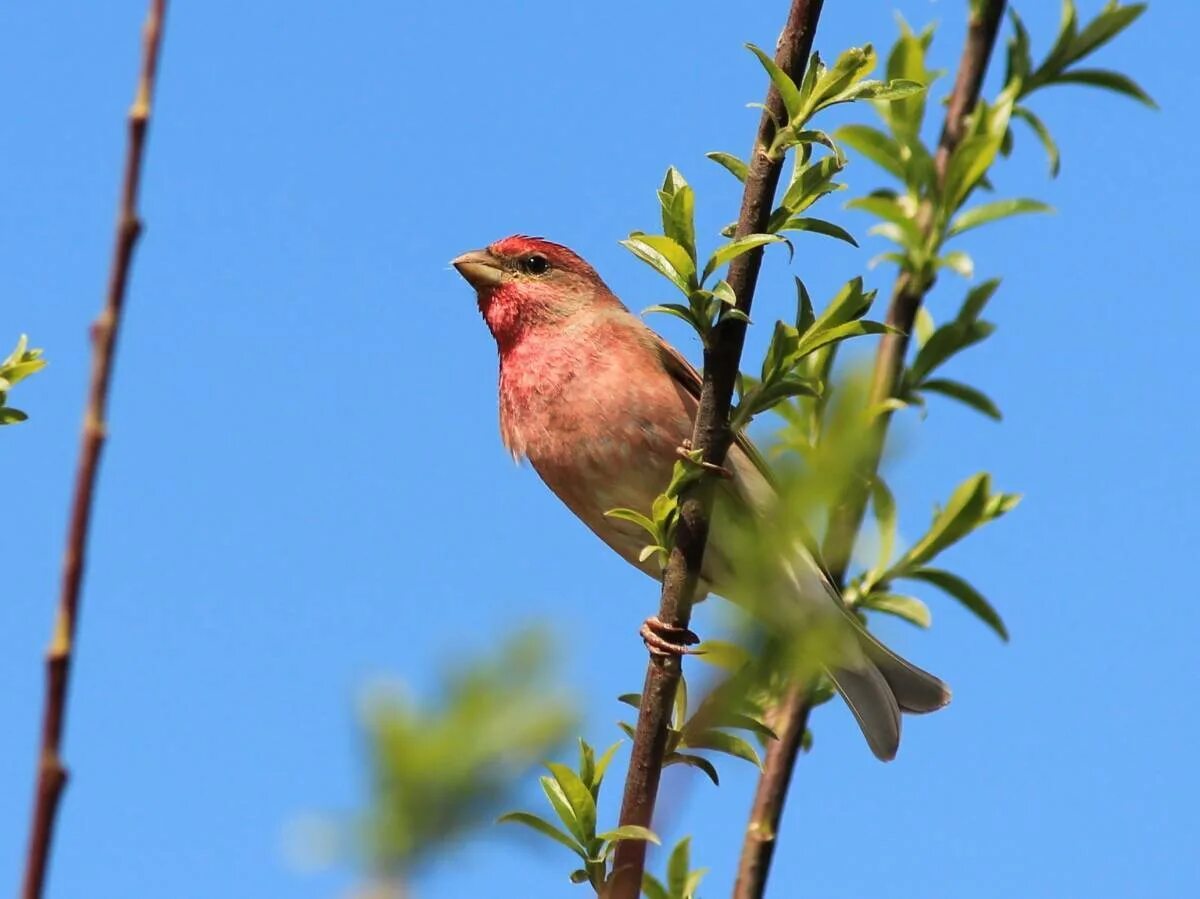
600	406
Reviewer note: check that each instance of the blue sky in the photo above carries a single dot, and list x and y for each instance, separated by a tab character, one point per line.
305	489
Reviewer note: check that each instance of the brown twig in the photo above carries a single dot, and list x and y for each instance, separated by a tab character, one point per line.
847	518
51	771
711	434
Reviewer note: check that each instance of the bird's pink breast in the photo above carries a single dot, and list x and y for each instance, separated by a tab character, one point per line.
597	415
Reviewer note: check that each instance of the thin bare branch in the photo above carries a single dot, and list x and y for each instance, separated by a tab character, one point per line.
846	520
712	436
51	770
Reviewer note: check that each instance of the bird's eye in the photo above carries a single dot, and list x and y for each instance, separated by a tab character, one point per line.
534	265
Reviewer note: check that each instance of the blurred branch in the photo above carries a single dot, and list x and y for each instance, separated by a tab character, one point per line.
51	771
846	520
711	436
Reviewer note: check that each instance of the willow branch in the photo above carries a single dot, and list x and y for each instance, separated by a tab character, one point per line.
846	520
711	436
51	770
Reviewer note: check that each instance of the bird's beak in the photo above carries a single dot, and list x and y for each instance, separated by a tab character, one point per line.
481	269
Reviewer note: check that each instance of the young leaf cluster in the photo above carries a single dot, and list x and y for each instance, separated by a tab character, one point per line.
19	365
1071	45
972	505
708	729
682	882
572	795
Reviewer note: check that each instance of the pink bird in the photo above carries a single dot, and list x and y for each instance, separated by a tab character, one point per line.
600	405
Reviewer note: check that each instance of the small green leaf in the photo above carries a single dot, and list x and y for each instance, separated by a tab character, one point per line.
990	212
909	608
730	163
603	762
730	744
788	92
652	888
817	338
542	826
1043	135
884	506
964	393
562	807
977	297
964	511
819	226
1113	81
957	261
736	248
633	699
629	832
679	865
958	588
11	416
579	797
642	521
1112	20
694	761
897	212
646	252
876	146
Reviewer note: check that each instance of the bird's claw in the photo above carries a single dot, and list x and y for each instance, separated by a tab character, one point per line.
684	452
663	639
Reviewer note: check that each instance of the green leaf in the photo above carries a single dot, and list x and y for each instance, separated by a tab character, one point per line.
730	744
562	807
1043	135
11	416
631	699
876	146
679	865
957	261
579	797
964	511
958	588
679	311
884	506
674	252
542	826
1112	20
603	762
811	183
642	521
730	163
736	248
964	393
629	832
678	215
680	706
788	92
896	211
819	226
897	89
652	888
952	337
645	251
815	339
804	308
977	297
694	761
990	212
1113	81
851	66
909	608
923	326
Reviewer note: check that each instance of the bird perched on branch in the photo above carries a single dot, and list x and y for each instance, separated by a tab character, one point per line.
600	405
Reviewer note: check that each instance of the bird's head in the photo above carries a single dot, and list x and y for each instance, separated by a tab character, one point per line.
523	282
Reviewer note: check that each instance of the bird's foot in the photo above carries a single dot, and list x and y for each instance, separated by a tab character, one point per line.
663	639
684	453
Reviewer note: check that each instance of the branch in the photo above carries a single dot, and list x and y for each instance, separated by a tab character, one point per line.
712	436
847	518
51	771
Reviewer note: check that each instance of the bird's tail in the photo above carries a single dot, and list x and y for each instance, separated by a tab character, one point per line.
878	684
